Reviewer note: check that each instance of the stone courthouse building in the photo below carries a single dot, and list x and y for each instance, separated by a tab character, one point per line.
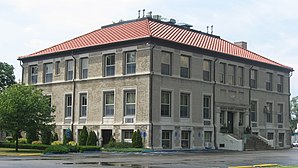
182	88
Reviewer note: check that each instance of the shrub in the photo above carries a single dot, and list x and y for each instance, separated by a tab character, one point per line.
22	140
89	148
57	143
36	142
137	139
113	144
83	136
31	135
24	146
46	135
72	146
57	149
92	139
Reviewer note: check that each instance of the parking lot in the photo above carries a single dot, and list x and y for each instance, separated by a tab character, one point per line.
157	159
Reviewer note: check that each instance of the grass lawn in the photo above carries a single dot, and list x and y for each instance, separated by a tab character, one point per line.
21	152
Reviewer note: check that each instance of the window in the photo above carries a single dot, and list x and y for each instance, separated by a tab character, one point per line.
269	81
84	68
207	136
184	105
57	67
34	74
130	103
270	135
127	135
184	66
110	65
281	139
231	74
280	83
69	70
109	104
280	113
253	111
222	118
207	107
207	70
241	119
68	105
166	141
222	72
83	105
253	78
185	139
165	104
48	72
269	112
240	76
166	63
130	62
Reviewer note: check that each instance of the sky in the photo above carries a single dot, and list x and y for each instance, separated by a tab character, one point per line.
268	26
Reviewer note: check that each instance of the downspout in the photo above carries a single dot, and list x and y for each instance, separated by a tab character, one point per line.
73	92
150	95
249	98
214	83
22	80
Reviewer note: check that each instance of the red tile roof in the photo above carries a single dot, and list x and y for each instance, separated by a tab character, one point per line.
150	28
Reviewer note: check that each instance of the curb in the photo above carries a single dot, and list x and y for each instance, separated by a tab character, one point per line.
252	166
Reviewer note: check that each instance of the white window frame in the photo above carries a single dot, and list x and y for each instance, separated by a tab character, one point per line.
208	70
188	106
126	103
127	63
105	105
35	75
168	64
66	106
84	70
210	107
81	105
170	103
187	67
280	113
48	72
113	66
69	70
170	139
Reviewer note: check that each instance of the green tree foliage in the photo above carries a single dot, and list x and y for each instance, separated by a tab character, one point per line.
55	137
83	136
46	136
137	139
24	108
7	77
92	139
294	113
32	135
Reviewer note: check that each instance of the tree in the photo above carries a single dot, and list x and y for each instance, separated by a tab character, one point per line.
24	108
83	136
92	139
137	139
46	136
294	113
7	77
55	136
31	135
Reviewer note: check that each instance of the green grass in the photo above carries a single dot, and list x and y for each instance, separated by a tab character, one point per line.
21	152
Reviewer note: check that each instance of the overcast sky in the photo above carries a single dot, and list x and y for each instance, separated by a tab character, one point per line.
269	26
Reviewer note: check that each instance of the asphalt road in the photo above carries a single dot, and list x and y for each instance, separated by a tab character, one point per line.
198	159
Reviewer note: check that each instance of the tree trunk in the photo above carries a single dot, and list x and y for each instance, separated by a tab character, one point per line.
17	140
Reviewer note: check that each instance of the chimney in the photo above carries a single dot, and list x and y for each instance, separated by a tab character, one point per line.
241	44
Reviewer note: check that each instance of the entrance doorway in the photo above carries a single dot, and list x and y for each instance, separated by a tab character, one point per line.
106	136
230	122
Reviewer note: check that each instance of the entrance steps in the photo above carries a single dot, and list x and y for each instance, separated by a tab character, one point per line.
255	143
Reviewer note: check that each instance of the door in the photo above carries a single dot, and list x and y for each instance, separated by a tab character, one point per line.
230	122
106	136
185	139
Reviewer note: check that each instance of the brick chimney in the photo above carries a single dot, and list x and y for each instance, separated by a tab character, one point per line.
241	44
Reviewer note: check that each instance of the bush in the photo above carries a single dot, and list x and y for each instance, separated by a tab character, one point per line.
46	136
36	142
137	139
92	139
55	137
22	140
9	139
72	146
57	143
83	136
113	144
24	146
31	135
89	148
57	149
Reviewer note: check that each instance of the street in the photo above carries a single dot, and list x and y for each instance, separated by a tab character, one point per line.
157	159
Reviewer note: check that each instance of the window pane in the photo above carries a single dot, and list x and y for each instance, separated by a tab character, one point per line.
131	68
166	58
184	61
110	60
184	72
130	57
165	69
130	97
110	71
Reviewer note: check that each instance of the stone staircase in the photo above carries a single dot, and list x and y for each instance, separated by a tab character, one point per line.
255	143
